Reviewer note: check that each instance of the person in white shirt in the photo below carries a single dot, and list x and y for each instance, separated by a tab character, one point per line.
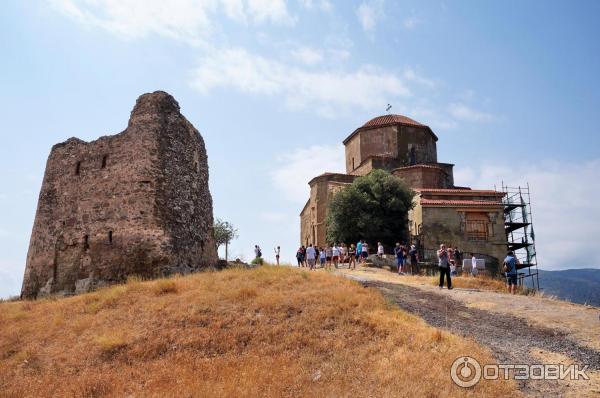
277	253
335	251
365	251
474	270
379	250
311	256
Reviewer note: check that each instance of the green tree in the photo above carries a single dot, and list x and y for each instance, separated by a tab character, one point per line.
224	233
374	208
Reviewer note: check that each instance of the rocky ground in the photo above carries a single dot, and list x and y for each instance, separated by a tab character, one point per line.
513	337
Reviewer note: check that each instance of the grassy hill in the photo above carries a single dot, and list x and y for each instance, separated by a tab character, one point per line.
263	332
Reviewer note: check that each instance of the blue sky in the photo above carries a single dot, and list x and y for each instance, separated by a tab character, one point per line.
511	88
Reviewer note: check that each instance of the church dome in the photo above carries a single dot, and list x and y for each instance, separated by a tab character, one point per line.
391	119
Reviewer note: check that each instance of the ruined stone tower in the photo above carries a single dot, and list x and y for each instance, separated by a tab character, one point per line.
133	203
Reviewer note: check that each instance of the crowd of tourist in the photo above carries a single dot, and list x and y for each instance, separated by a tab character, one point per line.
333	255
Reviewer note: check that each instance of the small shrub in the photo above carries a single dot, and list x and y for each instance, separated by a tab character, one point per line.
165	286
257	261
111	343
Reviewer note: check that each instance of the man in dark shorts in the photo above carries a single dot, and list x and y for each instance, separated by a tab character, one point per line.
444	266
510	266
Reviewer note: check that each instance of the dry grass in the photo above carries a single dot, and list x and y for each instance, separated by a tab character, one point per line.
264	332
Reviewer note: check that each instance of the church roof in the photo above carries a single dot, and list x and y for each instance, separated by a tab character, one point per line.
389	120
458	203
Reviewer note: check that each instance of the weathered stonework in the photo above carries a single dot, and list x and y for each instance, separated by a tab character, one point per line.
133	203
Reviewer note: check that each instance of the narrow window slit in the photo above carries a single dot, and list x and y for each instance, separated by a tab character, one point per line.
77	168
110	237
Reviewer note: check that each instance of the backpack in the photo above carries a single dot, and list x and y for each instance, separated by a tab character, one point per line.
505	268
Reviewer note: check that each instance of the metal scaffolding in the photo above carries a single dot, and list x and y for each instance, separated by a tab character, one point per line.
518	225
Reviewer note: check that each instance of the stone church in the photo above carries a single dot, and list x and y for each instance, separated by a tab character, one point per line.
134	203
470	219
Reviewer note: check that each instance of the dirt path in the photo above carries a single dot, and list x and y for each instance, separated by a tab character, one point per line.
512	339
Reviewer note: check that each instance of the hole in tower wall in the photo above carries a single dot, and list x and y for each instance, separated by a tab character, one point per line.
77	168
104	159
86	242
110	237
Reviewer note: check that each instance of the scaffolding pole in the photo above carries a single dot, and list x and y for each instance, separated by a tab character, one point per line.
520	236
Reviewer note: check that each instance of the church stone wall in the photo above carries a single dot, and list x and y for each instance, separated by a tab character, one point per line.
133	203
446	225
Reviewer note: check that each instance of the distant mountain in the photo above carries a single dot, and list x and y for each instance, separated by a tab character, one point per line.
576	285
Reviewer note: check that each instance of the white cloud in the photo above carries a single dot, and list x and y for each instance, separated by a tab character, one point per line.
325	90
187	20
411	23
323	5
463	112
296	168
564	206
411	75
307	55
368	13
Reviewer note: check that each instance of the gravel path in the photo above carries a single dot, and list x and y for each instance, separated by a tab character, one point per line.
509	338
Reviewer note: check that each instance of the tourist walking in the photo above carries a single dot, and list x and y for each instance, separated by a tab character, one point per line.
451	261
510	269
399	254
359	251
328	255
257	251
300	256
474	270
352	257
335	253
444	266
379	250
322	257
365	251
343	253
311	257
413	254
277	253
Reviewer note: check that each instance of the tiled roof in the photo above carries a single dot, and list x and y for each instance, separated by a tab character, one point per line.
387	120
464	191
391	119
419	166
459	203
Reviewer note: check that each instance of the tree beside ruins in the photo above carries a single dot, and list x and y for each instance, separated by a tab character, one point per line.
224	233
374	208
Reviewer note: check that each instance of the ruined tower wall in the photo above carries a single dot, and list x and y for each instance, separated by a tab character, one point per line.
183	199
117	206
